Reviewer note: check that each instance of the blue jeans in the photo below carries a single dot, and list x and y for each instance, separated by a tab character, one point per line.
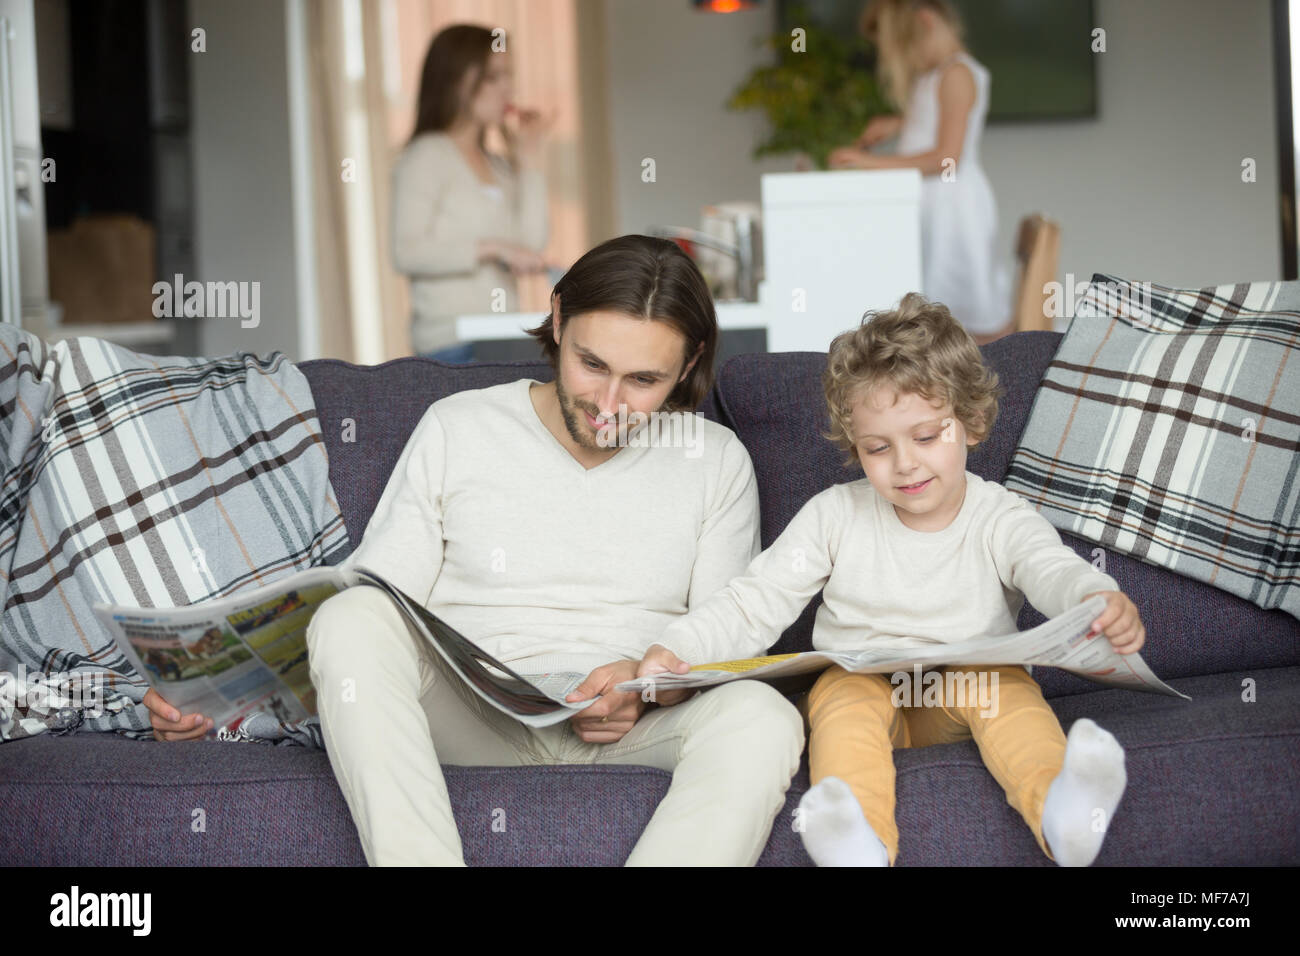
460	354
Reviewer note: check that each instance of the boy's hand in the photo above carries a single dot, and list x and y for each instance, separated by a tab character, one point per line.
660	660
1120	622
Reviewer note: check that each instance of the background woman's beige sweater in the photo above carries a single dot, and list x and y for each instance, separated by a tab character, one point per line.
440	211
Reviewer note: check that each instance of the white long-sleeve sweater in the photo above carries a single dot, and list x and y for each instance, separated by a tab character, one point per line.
440	209
492	524
887	584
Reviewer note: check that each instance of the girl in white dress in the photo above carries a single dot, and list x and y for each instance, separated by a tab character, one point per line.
924	64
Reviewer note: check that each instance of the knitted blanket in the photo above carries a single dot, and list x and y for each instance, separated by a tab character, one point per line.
145	481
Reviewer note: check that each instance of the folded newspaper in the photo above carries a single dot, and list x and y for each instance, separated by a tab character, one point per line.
1061	642
226	659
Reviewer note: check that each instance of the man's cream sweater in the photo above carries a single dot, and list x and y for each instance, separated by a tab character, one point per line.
549	566
440	209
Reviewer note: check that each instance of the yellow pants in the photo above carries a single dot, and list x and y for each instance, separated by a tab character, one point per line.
854	726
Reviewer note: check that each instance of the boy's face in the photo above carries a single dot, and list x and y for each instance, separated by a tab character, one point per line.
911	441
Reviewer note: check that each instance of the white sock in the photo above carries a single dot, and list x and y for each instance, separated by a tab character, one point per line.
835	832
1092	779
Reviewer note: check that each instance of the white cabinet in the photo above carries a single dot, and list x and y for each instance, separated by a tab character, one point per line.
836	244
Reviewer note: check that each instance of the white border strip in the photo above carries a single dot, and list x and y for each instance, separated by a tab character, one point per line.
300	176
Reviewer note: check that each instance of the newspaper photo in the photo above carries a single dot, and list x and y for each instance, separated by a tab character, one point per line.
1060	642
230	657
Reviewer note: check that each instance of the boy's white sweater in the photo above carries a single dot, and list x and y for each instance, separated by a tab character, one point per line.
887	584
496	528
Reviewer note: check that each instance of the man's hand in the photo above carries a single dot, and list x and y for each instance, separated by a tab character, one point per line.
608	719
1120	622
169	723
659	660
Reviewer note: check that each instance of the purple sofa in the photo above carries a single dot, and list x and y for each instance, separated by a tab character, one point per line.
1212	781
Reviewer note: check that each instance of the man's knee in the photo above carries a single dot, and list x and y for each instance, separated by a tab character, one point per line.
355	622
758	710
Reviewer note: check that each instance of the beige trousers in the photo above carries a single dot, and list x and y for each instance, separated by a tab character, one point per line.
392	711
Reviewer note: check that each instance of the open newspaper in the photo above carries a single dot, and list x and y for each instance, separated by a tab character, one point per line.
228	658
1061	642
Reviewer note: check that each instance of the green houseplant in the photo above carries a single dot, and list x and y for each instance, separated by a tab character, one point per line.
817	98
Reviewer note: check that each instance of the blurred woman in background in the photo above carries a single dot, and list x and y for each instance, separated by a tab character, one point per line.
466	221
925	67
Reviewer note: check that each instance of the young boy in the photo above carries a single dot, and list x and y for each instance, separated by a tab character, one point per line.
920	552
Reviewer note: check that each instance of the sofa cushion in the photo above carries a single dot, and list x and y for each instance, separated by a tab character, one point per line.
1210	782
1166	427
144	481
775	404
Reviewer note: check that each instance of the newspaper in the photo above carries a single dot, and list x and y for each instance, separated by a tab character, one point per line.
1060	642
228	658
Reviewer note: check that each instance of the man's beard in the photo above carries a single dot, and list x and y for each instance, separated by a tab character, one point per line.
576	423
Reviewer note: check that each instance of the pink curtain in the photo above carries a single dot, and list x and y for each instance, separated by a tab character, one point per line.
557	55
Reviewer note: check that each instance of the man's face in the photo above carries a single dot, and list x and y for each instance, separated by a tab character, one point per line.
909	441
607	359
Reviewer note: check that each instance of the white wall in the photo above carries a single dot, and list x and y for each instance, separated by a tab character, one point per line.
1150	189
240	147
671	70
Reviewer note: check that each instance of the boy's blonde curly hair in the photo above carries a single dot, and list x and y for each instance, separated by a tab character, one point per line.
918	348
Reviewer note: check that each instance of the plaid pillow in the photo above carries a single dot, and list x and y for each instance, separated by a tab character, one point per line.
1166	427
148	481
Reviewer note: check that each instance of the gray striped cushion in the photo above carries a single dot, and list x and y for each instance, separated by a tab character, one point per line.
148	481
1167	428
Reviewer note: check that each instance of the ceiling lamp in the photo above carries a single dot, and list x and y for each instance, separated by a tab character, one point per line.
724	6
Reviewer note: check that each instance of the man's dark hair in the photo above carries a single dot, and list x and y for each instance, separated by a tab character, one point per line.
645	278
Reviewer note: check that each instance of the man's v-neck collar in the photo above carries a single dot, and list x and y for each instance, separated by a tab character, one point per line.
624	455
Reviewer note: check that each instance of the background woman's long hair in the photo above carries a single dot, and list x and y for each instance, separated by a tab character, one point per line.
646	278
893	27
455	51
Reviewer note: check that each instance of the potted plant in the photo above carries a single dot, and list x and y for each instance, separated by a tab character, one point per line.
820	96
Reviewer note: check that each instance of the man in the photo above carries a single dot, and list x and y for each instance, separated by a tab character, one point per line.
510	516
